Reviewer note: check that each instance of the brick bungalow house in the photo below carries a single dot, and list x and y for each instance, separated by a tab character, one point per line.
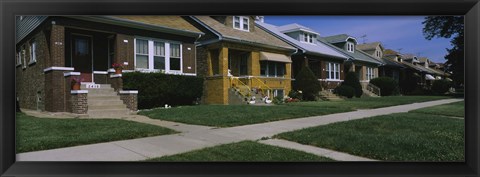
326	62
389	68
240	61
53	49
359	62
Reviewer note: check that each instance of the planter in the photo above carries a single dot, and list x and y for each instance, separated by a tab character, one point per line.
76	86
118	71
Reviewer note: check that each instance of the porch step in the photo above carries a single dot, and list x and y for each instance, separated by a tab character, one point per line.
107	106
367	93
329	96
108	113
105	102
102	97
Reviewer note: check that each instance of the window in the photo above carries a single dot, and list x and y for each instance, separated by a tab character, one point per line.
370	73
158	55
24	59
272	69
33	52
241	23
333	71
278	93
19	58
350	47
308	38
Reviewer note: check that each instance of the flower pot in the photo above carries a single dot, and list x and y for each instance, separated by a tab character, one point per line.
118	71
76	86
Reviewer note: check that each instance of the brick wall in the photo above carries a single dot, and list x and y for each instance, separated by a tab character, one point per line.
188	57
131	100
116	83
201	62
79	103
57	46
30	81
124	51
55	91
216	90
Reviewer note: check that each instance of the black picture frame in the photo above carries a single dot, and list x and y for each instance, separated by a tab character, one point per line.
10	8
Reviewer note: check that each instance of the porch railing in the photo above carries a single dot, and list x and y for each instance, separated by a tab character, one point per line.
256	82
374	89
242	88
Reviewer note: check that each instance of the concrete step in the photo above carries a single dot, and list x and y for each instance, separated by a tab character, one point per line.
102	86
105	102
107	106
102	98
95	94
108	113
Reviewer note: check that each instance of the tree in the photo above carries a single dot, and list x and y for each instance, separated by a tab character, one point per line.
306	82
449	27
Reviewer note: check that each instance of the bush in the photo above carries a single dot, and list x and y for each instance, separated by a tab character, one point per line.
439	87
409	83
306	82
295	94
351	79
388	86
158	89
345	90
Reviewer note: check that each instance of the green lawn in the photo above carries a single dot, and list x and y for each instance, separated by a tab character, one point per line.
243	151
456	109
235	115
34	134
395	137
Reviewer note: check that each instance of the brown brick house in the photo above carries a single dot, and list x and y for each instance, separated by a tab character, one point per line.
240	60
53	49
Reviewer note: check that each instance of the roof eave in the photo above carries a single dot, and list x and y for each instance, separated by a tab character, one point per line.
137	24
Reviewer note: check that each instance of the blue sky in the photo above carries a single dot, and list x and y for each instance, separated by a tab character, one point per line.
394	32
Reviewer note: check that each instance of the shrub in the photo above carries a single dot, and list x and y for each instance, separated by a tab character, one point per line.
306	82
388	86
345	90
351	79
295	94
439	87
158	89
409	83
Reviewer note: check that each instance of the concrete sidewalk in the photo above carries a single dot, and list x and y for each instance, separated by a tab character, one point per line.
202	137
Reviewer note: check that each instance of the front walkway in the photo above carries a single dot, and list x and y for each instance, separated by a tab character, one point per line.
201	137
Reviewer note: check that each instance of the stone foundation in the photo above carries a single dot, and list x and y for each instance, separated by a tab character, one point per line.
79	101
129	98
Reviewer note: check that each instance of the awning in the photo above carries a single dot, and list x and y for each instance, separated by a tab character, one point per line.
274	57
429	77
448	79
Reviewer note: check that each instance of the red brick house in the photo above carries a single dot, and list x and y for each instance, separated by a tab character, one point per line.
53	49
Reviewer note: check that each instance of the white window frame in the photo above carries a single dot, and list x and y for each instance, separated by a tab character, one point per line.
241	18
24	59
336	69
370	73
33	52
308	38
350	47
19	58
151	55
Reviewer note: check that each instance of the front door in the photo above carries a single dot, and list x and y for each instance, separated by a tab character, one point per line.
82	56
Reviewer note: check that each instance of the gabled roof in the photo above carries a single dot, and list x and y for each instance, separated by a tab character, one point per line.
369	46
295	27
388	61
339	38
318	49
418	68
390	52
258	37
357	55
423	59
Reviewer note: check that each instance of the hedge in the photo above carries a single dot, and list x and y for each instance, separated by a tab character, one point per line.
388	86
439	87
345	90
158	89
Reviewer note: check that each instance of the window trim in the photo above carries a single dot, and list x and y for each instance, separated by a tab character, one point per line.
306	37
370	73
335	70
33	52
350	47
19	58
241	23
24	57
151	55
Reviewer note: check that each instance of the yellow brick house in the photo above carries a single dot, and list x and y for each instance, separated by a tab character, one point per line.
241	62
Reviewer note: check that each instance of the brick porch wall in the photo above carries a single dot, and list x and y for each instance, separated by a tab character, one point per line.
79	103
130	99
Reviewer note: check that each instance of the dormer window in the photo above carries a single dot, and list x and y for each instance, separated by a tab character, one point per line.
308	38
241	23
350	47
